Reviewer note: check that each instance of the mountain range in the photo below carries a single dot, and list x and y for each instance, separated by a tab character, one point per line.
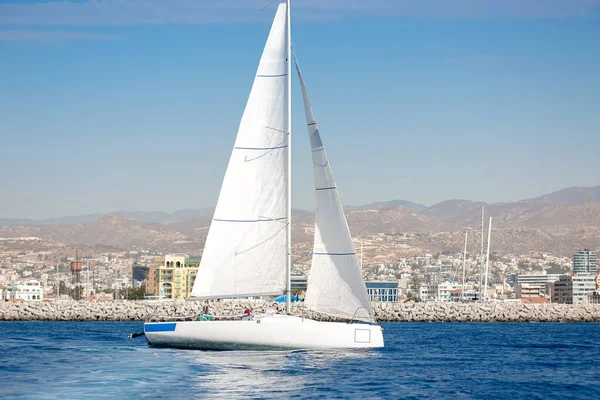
560	222
449	210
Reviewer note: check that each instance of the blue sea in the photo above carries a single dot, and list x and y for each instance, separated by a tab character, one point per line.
73	360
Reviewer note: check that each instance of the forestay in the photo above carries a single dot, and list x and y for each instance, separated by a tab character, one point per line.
245	251
335	284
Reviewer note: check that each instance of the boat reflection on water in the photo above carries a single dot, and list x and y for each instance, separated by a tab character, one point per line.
267	373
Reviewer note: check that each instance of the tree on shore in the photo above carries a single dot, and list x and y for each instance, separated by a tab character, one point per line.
415	285
132	293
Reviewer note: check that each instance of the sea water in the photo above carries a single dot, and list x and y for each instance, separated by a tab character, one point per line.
72	360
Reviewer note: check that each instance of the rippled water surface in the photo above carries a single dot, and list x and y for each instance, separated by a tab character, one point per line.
421	360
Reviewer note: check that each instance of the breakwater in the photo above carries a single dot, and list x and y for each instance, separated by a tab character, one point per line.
390	312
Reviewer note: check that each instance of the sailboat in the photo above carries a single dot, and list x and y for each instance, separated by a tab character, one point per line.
248	248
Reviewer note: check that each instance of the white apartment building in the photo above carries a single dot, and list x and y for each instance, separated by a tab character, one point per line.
573	289
585	262
583	285
536	280
26	291
440	291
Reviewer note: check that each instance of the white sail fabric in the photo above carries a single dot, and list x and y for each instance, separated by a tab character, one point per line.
335	284
245	251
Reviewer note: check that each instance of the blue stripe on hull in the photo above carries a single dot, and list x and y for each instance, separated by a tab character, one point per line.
160	327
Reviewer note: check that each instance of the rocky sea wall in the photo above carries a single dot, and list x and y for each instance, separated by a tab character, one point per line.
385	312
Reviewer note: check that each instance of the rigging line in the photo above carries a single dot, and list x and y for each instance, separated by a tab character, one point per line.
279	145
266	5
267	151
246	159
276	130
272	219
261	243
324	165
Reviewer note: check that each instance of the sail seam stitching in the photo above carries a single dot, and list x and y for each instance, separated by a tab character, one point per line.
326	188
261	148
334	254
249	220
270	76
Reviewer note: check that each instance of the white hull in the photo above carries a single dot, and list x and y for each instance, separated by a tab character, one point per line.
268	332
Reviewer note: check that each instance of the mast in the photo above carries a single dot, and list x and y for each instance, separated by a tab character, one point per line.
361	256
464	266
288	278
481	256
487	262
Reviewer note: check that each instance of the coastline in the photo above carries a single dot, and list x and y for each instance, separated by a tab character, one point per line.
384	312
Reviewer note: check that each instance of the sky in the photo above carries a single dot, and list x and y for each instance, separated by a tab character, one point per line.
134	104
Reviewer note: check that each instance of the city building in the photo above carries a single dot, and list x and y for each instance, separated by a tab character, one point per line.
525	291
537	280
593	298
383	291
445	290
585	262
572	289
172	276
139	272
440	291
428	292
299	282
583	286
25	291
468	295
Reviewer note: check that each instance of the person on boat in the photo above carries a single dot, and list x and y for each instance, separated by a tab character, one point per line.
272	309
205	315
247	315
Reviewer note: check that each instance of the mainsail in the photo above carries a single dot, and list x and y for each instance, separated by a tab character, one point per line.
245	251
335	284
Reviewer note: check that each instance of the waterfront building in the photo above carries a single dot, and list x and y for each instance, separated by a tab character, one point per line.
573	289
383	291
445	290
440	291
25	291
537	280
299	282
172	276
583	286
528	291
428	292
585	262
468	295
593	298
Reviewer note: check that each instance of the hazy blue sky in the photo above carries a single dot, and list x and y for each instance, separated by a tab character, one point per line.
134	104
